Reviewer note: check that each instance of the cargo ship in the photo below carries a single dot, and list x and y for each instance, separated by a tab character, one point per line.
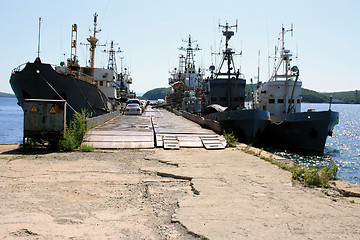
95	90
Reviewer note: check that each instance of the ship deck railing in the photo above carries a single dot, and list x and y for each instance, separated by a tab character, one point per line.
76	74
18	69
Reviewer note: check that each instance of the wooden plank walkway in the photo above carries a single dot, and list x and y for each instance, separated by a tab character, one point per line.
156	127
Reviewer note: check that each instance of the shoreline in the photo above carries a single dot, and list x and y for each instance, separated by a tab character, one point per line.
157	194
346	188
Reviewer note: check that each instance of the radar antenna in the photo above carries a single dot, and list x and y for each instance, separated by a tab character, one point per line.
227	33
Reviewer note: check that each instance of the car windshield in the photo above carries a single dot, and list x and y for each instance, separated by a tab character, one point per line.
133	101
133	105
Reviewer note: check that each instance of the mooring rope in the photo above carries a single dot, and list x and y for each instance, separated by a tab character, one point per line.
38	72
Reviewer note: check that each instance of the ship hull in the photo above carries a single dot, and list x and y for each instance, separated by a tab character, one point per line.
41	81
247	125
301	131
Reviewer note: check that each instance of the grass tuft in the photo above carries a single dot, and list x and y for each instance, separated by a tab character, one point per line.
319	177
74	134
87	148
230	139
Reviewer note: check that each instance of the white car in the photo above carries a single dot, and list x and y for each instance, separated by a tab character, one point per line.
133	109
160	101
134	100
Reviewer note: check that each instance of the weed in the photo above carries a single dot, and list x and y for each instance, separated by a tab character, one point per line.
314	176
87	148
14	158
334	170
75	133
310	177
230	139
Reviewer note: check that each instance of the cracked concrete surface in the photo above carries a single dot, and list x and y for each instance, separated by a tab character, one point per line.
87	196
159	194
243	197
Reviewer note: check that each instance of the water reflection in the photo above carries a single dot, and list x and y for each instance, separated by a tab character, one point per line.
343	148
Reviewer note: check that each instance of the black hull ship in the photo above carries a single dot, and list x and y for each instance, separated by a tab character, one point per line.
40	81
219	98
281	96
303	131
227	92
247	125
95	90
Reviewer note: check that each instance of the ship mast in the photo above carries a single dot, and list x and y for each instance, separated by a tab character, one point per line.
189	60
228	52
288	74
39	39
93	40
73	44
93	44
73	62
112	58
228	58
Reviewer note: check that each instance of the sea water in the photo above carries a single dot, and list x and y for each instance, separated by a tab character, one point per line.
11	121
343	148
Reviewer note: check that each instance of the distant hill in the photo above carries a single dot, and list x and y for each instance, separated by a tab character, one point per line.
308	96
345	97
6	95
156	93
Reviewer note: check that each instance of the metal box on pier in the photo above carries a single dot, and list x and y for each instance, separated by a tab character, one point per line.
44	119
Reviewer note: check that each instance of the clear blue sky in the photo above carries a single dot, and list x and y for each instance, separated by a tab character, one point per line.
326	36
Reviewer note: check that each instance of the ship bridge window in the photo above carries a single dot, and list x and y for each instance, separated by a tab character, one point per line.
280	100
101	83
213	99
291	101
298	101
271	100
222	99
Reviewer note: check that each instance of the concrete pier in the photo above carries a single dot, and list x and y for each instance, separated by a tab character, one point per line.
156	127
191	193
152	193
